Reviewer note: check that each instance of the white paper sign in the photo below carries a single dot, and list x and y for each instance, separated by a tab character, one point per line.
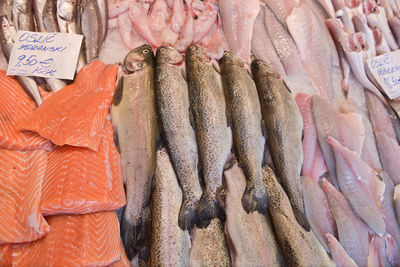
50	55
386	71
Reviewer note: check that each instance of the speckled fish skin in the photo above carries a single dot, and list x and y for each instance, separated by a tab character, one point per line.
284	129
299	247
209	247
173	107
170	245
250	237
134	116
244	106
23	15
214	137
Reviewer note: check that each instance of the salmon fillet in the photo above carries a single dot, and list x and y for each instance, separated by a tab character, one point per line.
21	177
122	262
15	106
6	255
75	115
79	180
74	240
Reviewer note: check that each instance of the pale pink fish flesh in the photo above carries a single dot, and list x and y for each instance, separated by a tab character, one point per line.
178	16
318	212
354	46
328	6
353	233
345	15
158	15
389	151
125	29
392	250
312	39
379	115
352	131
186	35
282	8
205	20
336	29
141	23
314	165
283	43
338	253
326	125
376	17
394	23
115	9
113	23
360	24
377	253
238	19
389	215
213	42
262	47
361	186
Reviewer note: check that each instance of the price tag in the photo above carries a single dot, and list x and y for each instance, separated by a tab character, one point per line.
386	71
50	55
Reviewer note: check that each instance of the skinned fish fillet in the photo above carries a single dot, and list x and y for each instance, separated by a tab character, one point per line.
392	250
361	185
76	114
250	236
237	20
313	160
353	233
6	255
21	176
318	212
15	106
338	253
312	40
377	253
74	240
97	175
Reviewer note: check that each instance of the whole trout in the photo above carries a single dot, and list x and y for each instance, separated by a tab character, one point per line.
170	245
173	106
245	110
214	137
299	247
134	117
284	129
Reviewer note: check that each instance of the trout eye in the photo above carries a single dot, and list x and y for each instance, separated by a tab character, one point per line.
140	65
3	25
162	49
145	51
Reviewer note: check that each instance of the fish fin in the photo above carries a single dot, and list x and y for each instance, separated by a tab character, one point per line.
116	140
208	209
254	199
118	92
188	216
136	237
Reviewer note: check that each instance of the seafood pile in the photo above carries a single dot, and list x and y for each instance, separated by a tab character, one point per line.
244	133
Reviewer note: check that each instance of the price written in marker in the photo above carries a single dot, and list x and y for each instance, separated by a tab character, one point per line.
49	55
386	71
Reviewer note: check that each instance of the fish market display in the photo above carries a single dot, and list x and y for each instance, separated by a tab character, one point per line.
202	133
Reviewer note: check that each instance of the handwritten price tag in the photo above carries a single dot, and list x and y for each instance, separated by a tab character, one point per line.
386	71
50	55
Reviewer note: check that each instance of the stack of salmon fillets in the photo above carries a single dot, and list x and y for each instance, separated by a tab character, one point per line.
60	174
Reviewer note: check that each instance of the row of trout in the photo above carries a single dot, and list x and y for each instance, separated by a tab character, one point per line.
86	17
194	136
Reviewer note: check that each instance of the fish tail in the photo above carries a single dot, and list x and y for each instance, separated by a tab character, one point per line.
136	237
208	209
188	216
255	199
